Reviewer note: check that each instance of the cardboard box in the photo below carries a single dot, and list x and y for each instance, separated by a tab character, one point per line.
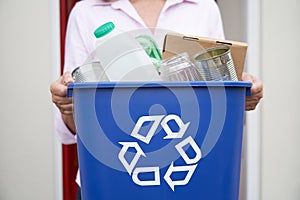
177	43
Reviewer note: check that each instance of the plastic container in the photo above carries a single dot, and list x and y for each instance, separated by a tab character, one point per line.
184	143
122	57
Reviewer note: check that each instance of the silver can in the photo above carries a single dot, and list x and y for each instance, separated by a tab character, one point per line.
89	72
216	64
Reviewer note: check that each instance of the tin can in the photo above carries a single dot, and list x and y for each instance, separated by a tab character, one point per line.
216	64
90	72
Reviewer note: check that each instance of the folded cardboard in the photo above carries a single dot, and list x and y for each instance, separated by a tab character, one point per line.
177	43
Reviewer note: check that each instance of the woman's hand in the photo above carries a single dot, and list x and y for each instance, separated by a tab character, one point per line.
58	91
256	91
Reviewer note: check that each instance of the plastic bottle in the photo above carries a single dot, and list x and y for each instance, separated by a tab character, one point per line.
122	57
151	49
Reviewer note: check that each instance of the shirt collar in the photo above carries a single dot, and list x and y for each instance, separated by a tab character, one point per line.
102	2
193	1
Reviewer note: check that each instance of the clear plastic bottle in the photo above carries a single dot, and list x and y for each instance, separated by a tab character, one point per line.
122	57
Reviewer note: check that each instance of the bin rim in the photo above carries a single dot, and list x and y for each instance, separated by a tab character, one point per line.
111	85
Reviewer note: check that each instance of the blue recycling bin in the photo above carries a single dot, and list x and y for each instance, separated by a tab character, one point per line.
159	140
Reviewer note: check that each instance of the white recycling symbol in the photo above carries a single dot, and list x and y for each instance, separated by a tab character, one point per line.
191	163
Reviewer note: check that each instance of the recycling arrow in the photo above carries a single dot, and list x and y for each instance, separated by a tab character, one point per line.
146	139
169	132
138	170
139	152
172	168
193	144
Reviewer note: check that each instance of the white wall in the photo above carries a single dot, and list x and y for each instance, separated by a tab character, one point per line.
27	163
231	11
280	112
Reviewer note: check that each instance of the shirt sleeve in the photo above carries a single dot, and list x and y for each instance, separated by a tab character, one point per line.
76	48
75	54
65	136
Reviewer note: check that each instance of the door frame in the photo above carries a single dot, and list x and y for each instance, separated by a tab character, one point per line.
252	27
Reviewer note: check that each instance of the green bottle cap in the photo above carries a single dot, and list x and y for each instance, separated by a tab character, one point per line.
104	29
